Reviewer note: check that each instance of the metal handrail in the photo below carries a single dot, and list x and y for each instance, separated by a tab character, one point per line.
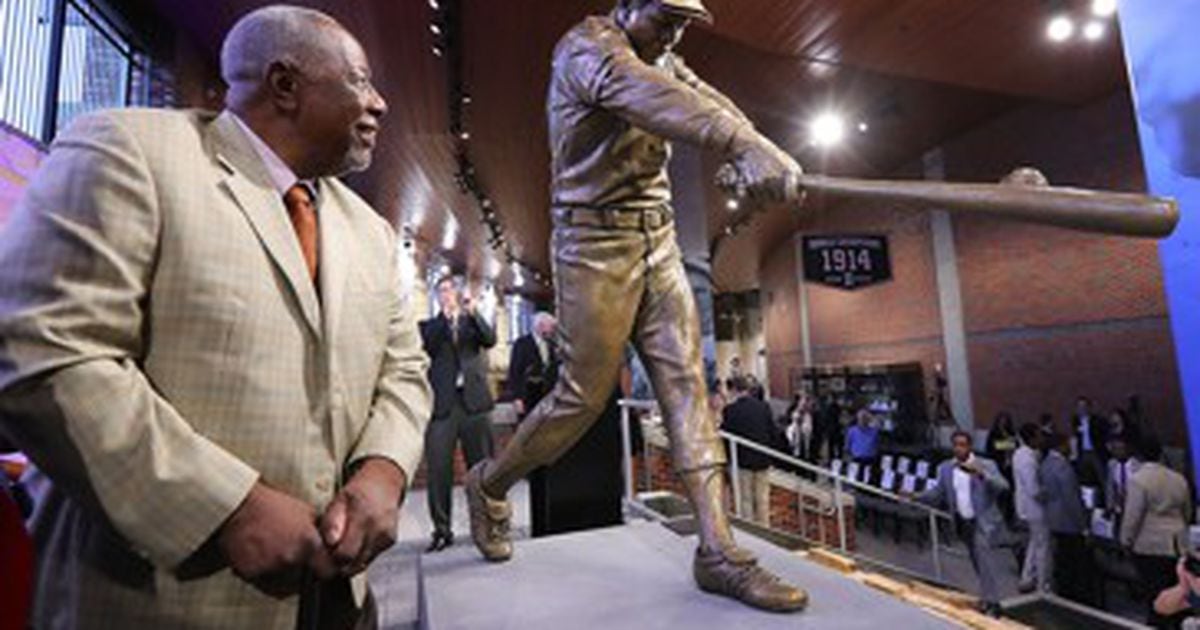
850	481
838	481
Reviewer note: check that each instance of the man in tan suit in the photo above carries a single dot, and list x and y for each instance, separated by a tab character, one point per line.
1158	510
203	349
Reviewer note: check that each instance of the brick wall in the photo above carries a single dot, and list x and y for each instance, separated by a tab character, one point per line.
1050	314
895	322
811	523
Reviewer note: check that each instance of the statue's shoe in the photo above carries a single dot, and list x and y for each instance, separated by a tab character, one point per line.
490	518
735	573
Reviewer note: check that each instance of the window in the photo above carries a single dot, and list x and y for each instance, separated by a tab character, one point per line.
72	45
25	38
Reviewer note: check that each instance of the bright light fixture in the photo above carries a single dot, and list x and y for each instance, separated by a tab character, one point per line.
1104	8
1060	28
1093	31
863	127
732	204
827	129
449	236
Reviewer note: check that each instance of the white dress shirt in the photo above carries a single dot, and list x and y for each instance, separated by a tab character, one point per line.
543	348
1085	434
962	490
282	177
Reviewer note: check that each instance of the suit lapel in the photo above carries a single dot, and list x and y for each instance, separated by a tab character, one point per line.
334	269
250	187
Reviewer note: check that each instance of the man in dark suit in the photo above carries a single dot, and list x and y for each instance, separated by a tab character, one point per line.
750	418
1067	520
533	365
455	341
1091	444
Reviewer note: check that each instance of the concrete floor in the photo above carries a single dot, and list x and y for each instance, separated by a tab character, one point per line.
637	576
394	575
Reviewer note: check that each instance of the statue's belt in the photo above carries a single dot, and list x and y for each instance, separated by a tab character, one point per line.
613	217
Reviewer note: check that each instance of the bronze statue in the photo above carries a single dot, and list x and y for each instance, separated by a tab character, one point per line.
617	96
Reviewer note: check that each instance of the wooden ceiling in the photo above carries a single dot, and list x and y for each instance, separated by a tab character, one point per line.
917	71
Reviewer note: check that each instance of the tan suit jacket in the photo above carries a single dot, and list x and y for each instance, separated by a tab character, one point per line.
1158	508
162	348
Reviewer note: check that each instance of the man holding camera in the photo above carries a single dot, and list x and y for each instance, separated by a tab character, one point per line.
456	341
1183	599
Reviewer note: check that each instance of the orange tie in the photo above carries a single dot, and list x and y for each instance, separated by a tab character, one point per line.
304	220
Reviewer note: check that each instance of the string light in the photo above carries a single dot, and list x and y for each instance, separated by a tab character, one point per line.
465	176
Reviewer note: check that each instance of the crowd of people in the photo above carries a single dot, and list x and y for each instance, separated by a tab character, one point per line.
1102	488
1066	499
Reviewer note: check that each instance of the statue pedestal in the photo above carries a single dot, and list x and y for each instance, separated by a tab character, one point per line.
634	576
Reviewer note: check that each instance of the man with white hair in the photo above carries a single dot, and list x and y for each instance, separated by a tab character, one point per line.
533	364
203	350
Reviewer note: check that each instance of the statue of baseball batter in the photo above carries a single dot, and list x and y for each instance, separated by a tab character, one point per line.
618	95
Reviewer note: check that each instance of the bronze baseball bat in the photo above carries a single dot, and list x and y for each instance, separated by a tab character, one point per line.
1128	214
1023	196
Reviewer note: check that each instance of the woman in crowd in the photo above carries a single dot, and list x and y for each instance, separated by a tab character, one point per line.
800	431
1000	447
1122	424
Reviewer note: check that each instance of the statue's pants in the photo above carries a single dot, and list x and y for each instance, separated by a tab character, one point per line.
619	277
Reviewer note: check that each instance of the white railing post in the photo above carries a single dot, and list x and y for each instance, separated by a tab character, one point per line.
841	513
734	475
934	544
627	453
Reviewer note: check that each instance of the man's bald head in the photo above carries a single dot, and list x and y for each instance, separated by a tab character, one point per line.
296	36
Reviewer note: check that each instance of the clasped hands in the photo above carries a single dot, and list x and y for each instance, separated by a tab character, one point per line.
275	541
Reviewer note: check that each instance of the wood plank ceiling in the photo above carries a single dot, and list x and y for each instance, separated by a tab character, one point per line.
918	71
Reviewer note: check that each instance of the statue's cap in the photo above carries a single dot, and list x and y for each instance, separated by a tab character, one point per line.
691	8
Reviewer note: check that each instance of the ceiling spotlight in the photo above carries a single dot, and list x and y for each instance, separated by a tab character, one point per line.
437	50
1093	31
732	204
1104	8
466	135
433	4
449	237
1060	28
435	29
827	130
863	126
